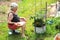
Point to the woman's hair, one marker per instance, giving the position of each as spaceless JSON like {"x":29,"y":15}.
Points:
{"x":13,"y":5}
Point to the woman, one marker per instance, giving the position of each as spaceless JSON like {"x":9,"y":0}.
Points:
{"x":14,"y":21}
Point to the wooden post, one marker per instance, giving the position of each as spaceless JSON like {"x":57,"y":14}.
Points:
{"x":35,"y":14}
{"x":46,"y":11}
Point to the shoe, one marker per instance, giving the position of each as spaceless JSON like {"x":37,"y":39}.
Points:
{"x":10,"y":33}
{"x":16,"y":32}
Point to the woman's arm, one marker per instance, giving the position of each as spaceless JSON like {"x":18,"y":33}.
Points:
{"x":10,"y":17}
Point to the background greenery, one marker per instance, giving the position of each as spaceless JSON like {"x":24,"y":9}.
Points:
{"x":26,"y":9}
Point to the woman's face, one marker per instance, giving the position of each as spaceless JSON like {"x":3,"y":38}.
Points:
{"x":15,"y":9}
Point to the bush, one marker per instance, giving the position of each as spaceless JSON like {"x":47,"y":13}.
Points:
{"x":38,"y":22}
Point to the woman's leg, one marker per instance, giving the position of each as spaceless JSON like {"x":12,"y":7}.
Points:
{"x":22,"y":25}
{"x":23,"y":29}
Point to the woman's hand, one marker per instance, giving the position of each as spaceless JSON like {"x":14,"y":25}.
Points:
{"x":15,"y":23}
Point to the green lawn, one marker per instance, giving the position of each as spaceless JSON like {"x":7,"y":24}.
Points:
{"x":26,"y":9}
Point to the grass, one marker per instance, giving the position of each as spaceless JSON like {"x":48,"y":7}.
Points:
{"x":26,"y":8}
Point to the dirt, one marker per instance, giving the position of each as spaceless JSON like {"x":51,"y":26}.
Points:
{"x":8,"y":2}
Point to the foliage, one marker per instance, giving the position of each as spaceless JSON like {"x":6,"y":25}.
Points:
{"x":3,"y":9}
{"x":38,"y":20}
{"x":26,"y":8}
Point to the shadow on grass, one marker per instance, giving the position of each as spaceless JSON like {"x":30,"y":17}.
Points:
{"x":15,"y":37}
{"x":41,"y":36}
{"x":32,"y":37}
